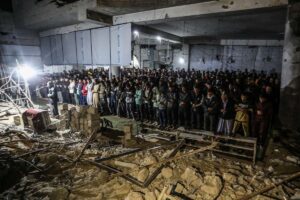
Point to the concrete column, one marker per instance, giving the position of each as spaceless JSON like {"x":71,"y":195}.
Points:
{"x":289,"y":112}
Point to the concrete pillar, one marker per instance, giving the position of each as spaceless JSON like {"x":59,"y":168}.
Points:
{"x":289,"y":112}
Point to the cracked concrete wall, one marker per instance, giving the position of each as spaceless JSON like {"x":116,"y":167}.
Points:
{"x":290,"y":78}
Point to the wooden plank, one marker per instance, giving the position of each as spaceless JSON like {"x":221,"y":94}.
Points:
{"x":231,"y":153}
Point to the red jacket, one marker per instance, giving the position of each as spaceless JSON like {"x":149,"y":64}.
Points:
{"x":84,"y":90}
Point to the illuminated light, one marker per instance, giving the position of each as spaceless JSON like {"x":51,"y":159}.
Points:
{"x":27,"y":72}
{"x":158,"y":38}
{"x":181,"y":60}
{"x":136,"y":33}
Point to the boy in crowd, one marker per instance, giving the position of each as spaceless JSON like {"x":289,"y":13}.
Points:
{"x":243,"y":115}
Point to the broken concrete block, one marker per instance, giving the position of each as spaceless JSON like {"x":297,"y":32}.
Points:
{"x":189,"y":175}
{"x":150,"y":196}
{"x":134,"y":196}
{"x":93,"y":117}
{"x":92,"y":110}
{"x":143,"y":174}
{"x":63,"y":106}
{"x":212,"y":185}
{"x":127,"y":129}
{"x":293,"y":159}
{"x":296,"y":196}
{"x":167,"y":172}
{"x":230,"y":178}
{"x":125,"y":164}
{"x":149,"y":160}
{"x":180,"y":188}
{"x":81,"y":109}
{"x":59,"y":193}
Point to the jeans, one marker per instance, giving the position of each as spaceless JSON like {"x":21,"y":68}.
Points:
{"x":147,"y":111}
{"x":196,"y":118}
{"x":210,"y":122}
{"x":172,"y":116}
{"x":83,"y":100}
{"x":139,"y":110}
{"x":77,"y":99}
{"x":129,"y":110}
{"x":162,"y":115}
{"x":183,"y":117}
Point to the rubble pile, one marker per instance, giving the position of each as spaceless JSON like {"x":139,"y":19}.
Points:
{"x":79,"y":118}
{"x":71,"y":165}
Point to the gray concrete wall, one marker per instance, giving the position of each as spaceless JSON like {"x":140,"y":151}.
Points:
{"x":236,"y":57}
{"x":181,"y":57}
{"x":290,"y":77}
{"x":18,"y":43}
{"x":47,"y":14}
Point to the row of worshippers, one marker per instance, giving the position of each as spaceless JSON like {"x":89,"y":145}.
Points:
{"x":222,"y":102}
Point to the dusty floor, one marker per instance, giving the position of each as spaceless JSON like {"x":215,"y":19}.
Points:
{"x":53,"y":169}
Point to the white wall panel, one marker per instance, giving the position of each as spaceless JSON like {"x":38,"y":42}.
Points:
{"x":69,"y":48}
{"x":100,"y":46}
{"x":83,"y":43}
{"x":56,"y":49}
{"x":121,"y":44}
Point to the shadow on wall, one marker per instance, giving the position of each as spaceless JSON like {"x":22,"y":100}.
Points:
{"x":290,"y":101}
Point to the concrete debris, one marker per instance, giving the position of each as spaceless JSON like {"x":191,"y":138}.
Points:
{"x":149,"y":160}
{"x":150,"y":195}
{"x":230,"y":178}
{"x":212,"y":186}
{"x":135,"y":196}
{"x":59,"y":193}
{"x":143,"y":174}
{"x":167,"y":172}
{"x":190,"y":175}
{"x":293,"y":159}
{"x":124,"y":164}
{"x":49,"y":172}
{"x":296,"y":196}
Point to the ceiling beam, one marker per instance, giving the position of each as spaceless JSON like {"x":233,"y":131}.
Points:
{"x":197,"y":9}
{"x":154,"y":32}
{"x":99,"y":17}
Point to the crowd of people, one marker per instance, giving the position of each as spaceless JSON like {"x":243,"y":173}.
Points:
{"x":224,"y":102}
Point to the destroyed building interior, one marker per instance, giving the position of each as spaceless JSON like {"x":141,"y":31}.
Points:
{"x":150,"y":99}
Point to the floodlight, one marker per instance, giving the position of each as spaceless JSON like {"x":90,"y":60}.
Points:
{"x":27,"y":72}
{"x":181,"y":60}
{"x":136,"y":33}
{"x":158,"y":38}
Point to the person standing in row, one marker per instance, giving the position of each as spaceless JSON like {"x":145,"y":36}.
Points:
{"x":84,"y":93}
{"x":71,"y":88}
{"x":53,"y":99}
{"x":226,"y":117}
{"x":89,"y":97}
{"x":95,"y":90}
{"x":210,"y":106}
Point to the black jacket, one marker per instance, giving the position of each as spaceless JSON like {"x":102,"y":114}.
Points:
{"x":229,"y":111}
{"x":213,"y":103}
